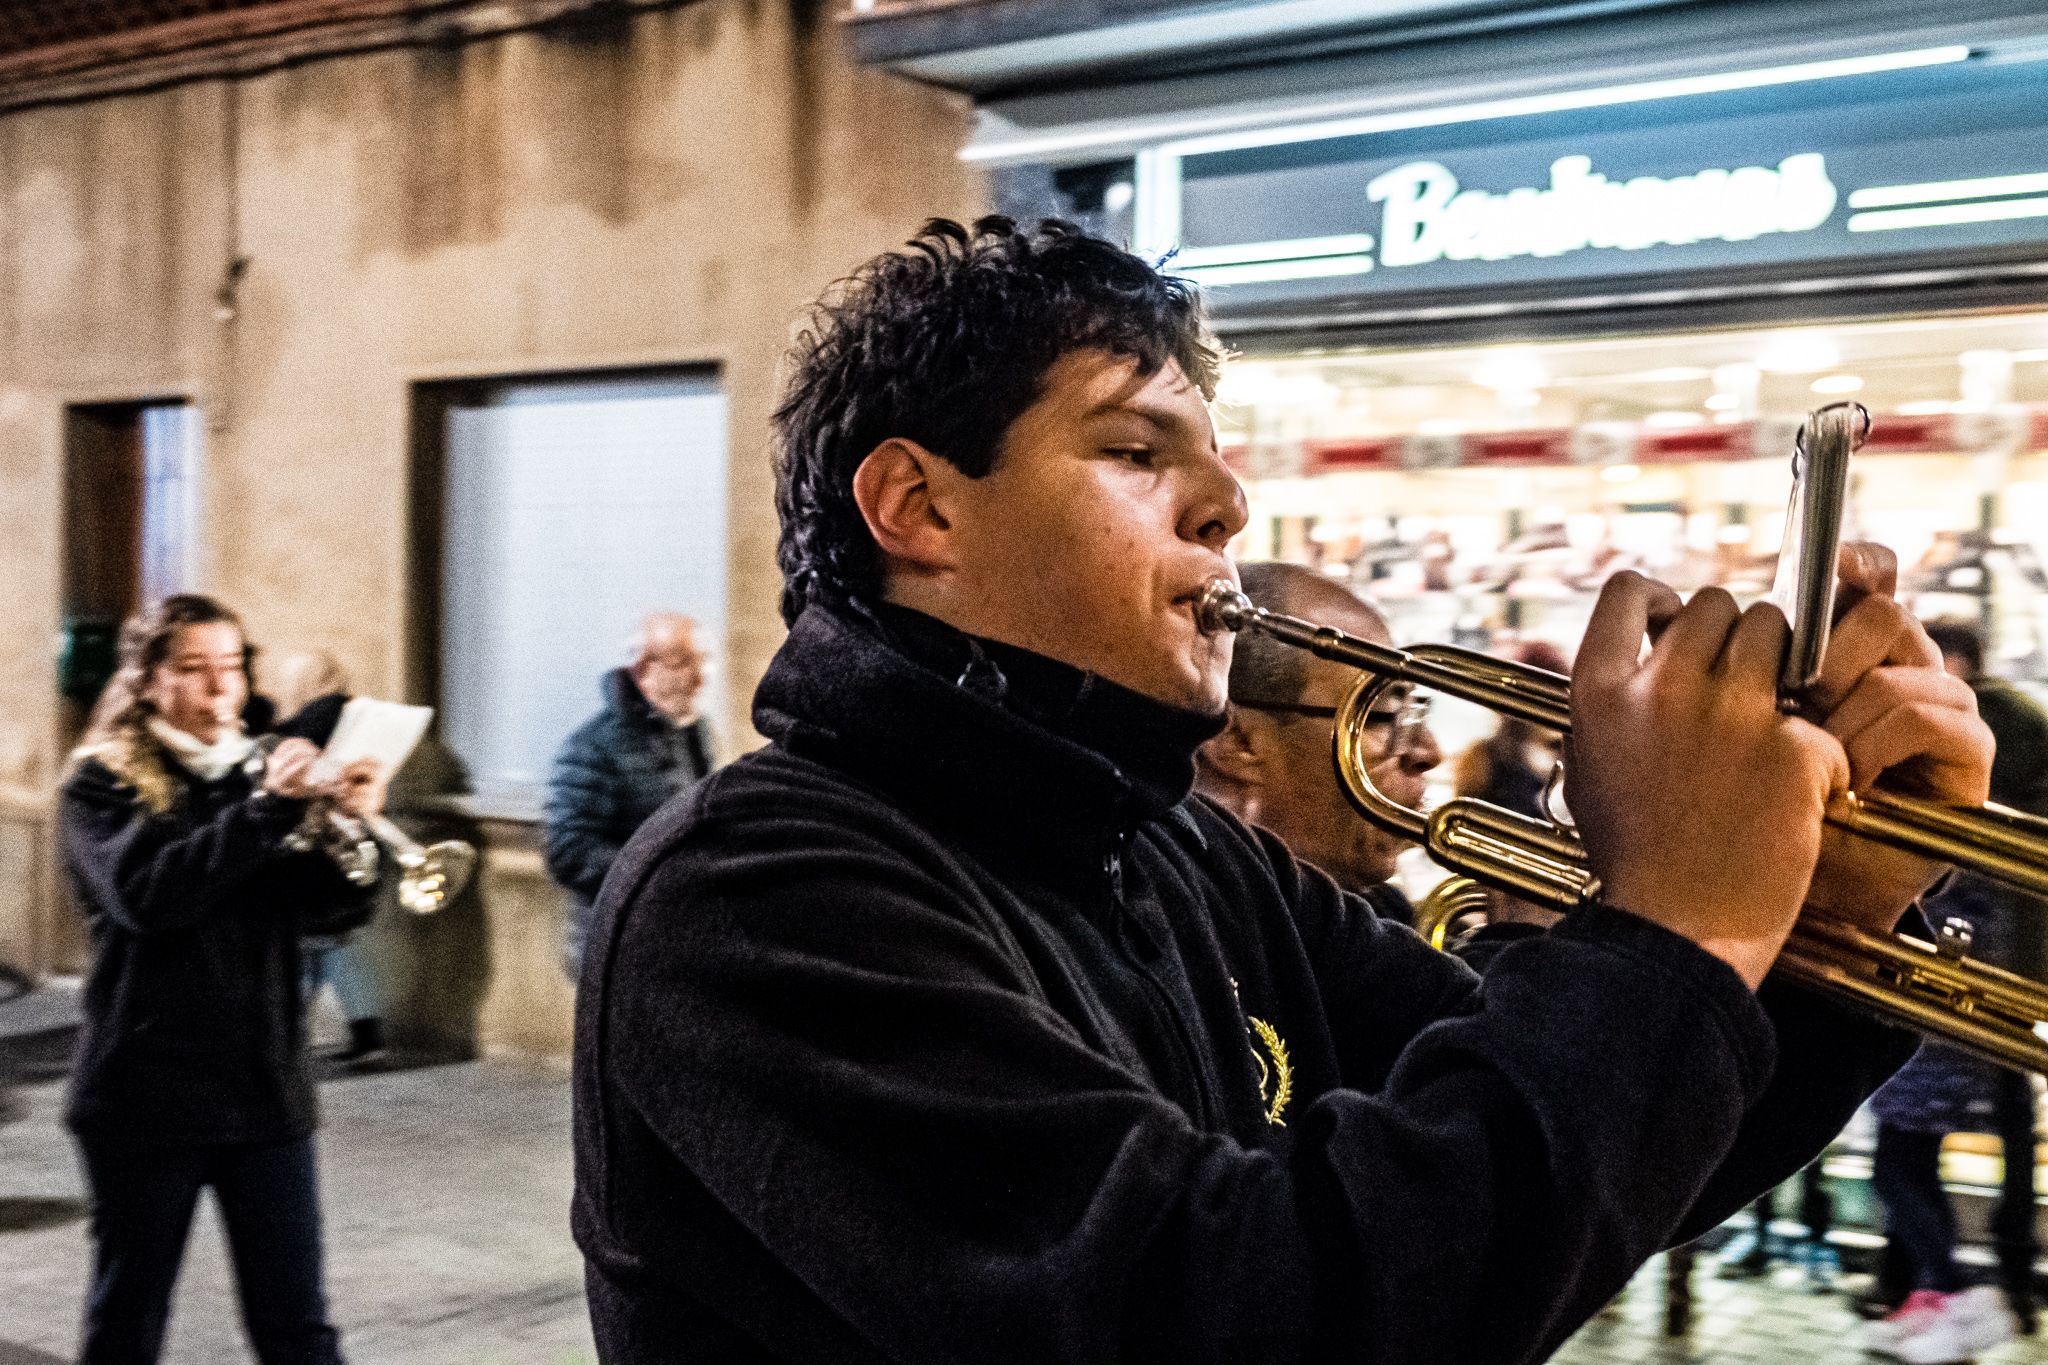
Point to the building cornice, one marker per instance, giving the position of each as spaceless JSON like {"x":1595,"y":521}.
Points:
{"x":249,"y":41}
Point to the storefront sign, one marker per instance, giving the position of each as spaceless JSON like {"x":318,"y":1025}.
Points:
{"x":1946,"y":160}
{"x":1428,"y":217}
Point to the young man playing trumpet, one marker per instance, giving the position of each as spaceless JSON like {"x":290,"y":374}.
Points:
{"x":949,"y":1027}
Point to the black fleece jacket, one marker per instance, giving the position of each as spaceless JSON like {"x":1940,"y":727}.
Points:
{"x":193,"y":1026}
{"x":949,"y":1028}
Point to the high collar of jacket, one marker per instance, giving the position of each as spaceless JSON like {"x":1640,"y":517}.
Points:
{"x":623,"y":698}
{"x":982,"y":738}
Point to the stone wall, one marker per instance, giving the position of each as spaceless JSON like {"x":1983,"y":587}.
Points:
{"x":657,"y":187}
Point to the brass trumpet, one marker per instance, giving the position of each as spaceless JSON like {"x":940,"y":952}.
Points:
{"x":429,"y":876}
{"x":1931,"y":988}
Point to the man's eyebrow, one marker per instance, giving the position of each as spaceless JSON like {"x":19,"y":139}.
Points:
{"x":1160,"y":416}
{"x":1157,"y":415}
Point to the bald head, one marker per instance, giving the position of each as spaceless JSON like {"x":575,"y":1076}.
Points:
{"x":1272,"y":765}
{"x":663,"y":630}
{"x":1262,"y":668}
{"x":668,"y":665}
{"x":303,"y":675}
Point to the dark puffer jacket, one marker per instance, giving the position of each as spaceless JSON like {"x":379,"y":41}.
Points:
{"x":193,"y":1019}
{"x":612,"y":773}
{"x":950,"y":1028}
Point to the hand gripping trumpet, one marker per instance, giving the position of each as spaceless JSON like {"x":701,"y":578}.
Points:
{"x":429,"y":876}
{"x":1931,"y":988}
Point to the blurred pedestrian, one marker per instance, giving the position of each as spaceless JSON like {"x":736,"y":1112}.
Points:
{"x":2013,"y":935}
{"x":648,"y":743}
{"x":308,"y":688}
{"x":1942,"y":1091}
{"x":191,"y":1069}
{"x":1512,"y":768}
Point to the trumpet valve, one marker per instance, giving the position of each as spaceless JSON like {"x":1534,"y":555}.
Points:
{"x":1954,"y":937}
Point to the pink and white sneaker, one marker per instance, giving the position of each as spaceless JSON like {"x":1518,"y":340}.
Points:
{"x":1935,"y":1329}
{"x":1882,"y":1337}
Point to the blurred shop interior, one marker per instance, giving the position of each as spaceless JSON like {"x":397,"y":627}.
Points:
{"x":1482,"y":494}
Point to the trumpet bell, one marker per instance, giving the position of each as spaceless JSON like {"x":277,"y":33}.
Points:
{"x":1451,"y":909}
{"x":435,"y":875}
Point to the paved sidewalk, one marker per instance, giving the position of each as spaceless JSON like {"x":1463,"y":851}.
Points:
{"x":447,"y":1191}
{"x":1774,"y":1321}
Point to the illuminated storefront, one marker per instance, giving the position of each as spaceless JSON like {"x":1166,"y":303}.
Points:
{"x":1485,"y":491}
{"x":1494,"y":353}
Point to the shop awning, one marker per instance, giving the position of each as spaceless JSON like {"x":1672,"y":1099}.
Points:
{"x":1117,"y":115}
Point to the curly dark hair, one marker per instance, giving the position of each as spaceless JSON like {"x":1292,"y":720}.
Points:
{"x":946,"y":343}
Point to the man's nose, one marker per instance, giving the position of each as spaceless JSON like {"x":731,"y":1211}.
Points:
{"x":1216,"y":509}
{"x":1423,"y":753}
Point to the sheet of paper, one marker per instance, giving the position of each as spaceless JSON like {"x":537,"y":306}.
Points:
{"x":383,"y":730}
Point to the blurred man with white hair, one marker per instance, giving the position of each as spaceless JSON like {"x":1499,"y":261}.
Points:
{"x":647,"y":744}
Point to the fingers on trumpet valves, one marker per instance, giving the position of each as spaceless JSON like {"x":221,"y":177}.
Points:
{"x":1692,"y":644}
{"x":1876,"y":632}
{"x":1755,"y":647}
{"x":1631,"y":607}
{"x":1864,"y":566}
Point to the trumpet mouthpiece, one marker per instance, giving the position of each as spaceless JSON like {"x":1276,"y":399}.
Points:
{"x":1221,"y":607}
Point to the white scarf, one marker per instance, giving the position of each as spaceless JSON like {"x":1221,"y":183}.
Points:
{"x":207,"y":762}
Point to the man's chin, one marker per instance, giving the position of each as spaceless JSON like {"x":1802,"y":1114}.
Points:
{"x":1186,"y":688}
{"x":1203,"y":696}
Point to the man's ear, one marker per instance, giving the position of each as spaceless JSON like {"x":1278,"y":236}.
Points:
{"x":897,"y":489}
{"x":1239,"y":752}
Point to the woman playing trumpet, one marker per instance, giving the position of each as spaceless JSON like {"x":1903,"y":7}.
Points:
{"x":191,"y":1068}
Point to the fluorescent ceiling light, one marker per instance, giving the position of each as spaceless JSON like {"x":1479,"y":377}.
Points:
{"x":1266,"y":272}
{"x":1191,"y":135}
{"x":1247,"y":253}
{"x":1838,"y":383}
{"x":1949,"y":215}
{"x":1510,"y":371}
{"x":1799,"y":353}
{"x":1941,"y":191}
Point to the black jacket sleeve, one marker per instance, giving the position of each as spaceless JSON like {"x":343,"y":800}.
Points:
{"x":1827,"y":1058}
{"x":847,"y":1057}
{"x":578,"y":840}
{"x":150,"y":874}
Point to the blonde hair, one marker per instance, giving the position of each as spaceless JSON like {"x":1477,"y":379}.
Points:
{"x":117,"y":733}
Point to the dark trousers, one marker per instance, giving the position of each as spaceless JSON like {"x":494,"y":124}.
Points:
{"x":143,"y":1197}
{"x":2012,"y":1223}
{"x":2012,"y":1226}
{"x":1918,"y":1220}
